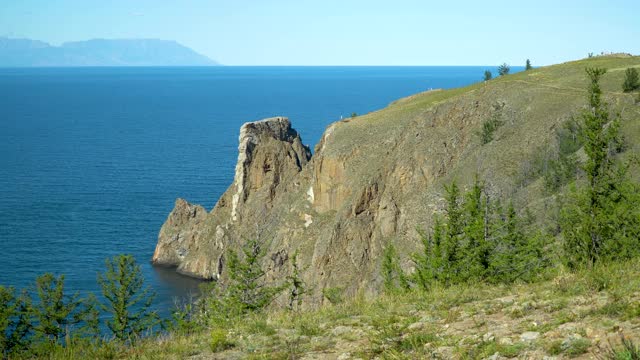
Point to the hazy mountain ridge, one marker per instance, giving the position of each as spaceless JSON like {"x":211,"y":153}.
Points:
{"x":99,"y":52}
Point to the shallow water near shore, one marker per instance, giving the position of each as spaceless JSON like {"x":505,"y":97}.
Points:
{"x":92,"y":159}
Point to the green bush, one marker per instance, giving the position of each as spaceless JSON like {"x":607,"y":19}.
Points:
{"x":489,"y":128}
{"x":626,"y":351}
{"x":219,"y":341}
{"x":333,"y":295}
{"x":576,"y":347}
{"x":631,"y":80}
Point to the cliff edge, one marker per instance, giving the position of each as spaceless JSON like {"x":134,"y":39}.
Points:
{"x":377,"y":178}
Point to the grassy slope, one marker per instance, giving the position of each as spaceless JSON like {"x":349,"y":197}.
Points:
{"x":568,"y":315}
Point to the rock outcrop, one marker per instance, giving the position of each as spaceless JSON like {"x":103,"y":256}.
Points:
{"x":270,"y":153}
{"x":373,"y":180}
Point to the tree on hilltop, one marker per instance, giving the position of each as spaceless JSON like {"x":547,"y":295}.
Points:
{"x":528,"y":66}
{"x":487,"y":75}
{"x":503,"y":69}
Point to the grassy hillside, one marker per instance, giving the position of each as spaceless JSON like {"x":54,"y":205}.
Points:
{"x":568,"y":315}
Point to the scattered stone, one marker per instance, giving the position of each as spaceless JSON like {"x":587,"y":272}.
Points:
{"x":488,"y":337}
{"x":340,"y":330}
{"x":530,"y":336}
{"x":344,"y":356}
{"x":416,"y":326}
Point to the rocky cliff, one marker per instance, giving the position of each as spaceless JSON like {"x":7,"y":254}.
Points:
{"x":375,"y":179}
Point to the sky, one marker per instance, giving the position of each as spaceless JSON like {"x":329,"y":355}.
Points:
{"x":344,"y":32}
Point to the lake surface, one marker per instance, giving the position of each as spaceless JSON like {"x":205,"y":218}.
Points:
{"x":92,"y":159}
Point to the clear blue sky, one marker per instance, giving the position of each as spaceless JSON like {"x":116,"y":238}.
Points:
{"x":344,"y":32}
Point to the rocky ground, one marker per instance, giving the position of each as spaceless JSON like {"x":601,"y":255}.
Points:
{"x":567,"y":315}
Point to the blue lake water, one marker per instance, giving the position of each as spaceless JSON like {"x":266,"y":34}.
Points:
{"x":92,"y":159}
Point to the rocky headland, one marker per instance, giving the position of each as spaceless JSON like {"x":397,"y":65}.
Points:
{"x":376,"y":179}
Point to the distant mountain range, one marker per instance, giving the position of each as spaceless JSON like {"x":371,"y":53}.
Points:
{"x":99,"y":52}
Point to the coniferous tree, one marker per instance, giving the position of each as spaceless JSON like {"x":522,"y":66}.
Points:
{"x":476,"y":232}
{"x":393,"y":276}
{"x":503,"y":69}
{"x":476,"y":240}
{"x":600,"y":219}
{"x":15,"y":323}
{"x":298,"y":286}
{"x":244,"y":289}
{"x":54,"y":312}
{"x":429,"y":264}
{"x":128,"y":301}
{"x":527,"y":65}
{"x":487,"y":75}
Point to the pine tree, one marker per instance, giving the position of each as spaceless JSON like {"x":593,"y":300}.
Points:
{"x":600,"y":219}
{"x":297,"y":284}
{"x":527,"y":65}
{"x":243,"y":290}
{"x":503,"y":69}
{"x":476,"y":233}
{"x":451,"y":247}
{"x":475,"y":241}
{"x":55,"y":312}
{"x":15,"y":324}
{"x":487,"y":75}
{"x":430,"y":264}
{"x":394,"y":277}
{"x":128,"y":301}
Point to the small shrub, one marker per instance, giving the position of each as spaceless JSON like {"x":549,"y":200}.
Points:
{"x":626,"y":351}
{"x":631,"y":80}
{"x":219,"y":341}
{"x":487,"y":75}
{"x":554,"y":347}
{"x":489,"y":128}
{"x":308,"y":328}
{"x":575,"y":347}
{"x":333,"y":294}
